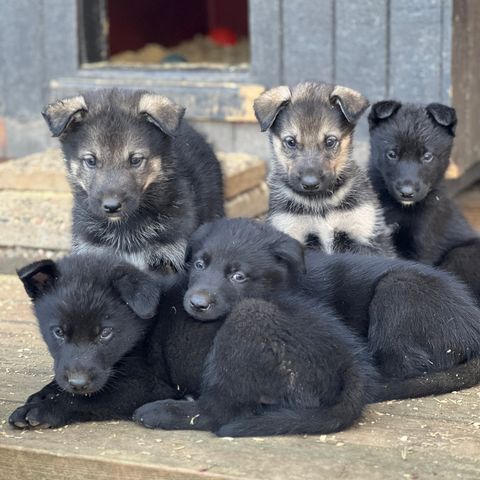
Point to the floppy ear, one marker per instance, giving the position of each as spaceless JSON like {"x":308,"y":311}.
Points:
{"x":138,"y":289}
{"x":63,"y":113}
{"x":290,"y":251}
{"x":197,"y":239}
{"x":38,"y":277}
{"x":351,"y":103}
{"x":381,"y":111}
{"x":443,"y":115}
{"x":269,"y":104}
{"x":162,"y":112}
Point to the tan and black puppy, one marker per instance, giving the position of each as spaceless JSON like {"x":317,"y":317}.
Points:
{"x":143,"y":180}
{"x":318,"y":194}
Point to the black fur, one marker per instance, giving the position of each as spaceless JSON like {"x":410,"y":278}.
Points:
{"x":427,"y":225}
{"x":281,"y":363}
{"x":176,"y":186}
{"x":417,"y":323}
{"x":112,"y":354}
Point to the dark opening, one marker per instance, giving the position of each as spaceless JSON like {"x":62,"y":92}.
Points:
{"x":164,"y":32}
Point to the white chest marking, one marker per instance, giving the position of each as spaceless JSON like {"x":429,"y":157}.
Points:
{"x":358,"y":223}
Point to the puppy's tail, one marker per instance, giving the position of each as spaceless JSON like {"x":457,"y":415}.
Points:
{"x":306,"y":420}
{"x":461,"y":376}
{"x":289,"y":422}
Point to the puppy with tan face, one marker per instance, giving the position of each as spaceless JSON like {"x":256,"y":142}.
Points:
{"x":318,"y":194}
{"x":143,"y":180}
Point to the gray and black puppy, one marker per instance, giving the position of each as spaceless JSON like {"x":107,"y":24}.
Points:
{"x":318,"y":193}
{"x":143,"y":180}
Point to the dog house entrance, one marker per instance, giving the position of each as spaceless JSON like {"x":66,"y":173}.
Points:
{"x":164,"y":33}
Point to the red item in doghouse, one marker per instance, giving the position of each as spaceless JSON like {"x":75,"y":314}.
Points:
{"x":223,"y":36}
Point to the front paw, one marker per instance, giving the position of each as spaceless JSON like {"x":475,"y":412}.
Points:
{"x":42,"y":414}
{"x":168,"y":415}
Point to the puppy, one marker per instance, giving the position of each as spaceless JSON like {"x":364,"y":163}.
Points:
{"x":280,"y":374}
{"x":410,"y":152}
{"x":111,"y":352}
{"x":281,"y":363}
{"x":142,"y":178}
{"x":318,"y":194}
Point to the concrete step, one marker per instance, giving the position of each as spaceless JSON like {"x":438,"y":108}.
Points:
{"x":35,"y":203}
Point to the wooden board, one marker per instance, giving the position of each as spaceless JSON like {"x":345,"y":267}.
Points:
{"x":412,"y":439}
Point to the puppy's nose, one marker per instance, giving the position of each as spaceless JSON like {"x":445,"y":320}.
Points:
{"x":111,"y":205}
{"x":201,"y":301}
{"x":78,"y":380}
{"x":406,"y":191}
{"x":310,"y":182}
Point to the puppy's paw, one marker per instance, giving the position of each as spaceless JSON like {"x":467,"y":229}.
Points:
{"x":44,"y":414}
{"x":168,"y":415}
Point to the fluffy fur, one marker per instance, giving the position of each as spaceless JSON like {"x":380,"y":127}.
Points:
{"x":282,"y":363}
{"x":410,"y":152}
{"x":142,"y":178}
{"x":318,"y":194}
{"x":111,"y":352}
{"x":424,"y":339}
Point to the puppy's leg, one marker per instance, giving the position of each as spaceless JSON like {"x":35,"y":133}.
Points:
{"x":421,"y":321}
{"x":53,"y":407}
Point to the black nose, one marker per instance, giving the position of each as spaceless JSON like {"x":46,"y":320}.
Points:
{"x":200,"y":301}
{"x":78,"y":380}
{"x":111,"y":205}
{"x":406,"y":191}
{"x":310,"y":182}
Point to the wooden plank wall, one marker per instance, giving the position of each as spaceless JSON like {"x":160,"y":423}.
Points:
{"x":385,"y":48}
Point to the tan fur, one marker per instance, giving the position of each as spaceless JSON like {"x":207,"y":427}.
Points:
{"x":69,"y":105}
{"x":164,"y":111}
{"x":155,"y":167}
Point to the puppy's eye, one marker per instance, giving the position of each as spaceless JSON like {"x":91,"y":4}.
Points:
{"x":199,"y":265}
{"x":331,"y":142}
{"x":290,"y":142}
{"x":427,"y":157}
{"x":392,"y":155}
{"x":89,"y":161}
{"x":238,"y":277}
{"x":58,"y":333}
{"x":136,"y":159}
{"x":106,"y":333}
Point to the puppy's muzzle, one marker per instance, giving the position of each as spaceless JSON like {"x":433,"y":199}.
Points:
{"x":111,"y":205}
{"x":201,"y":301}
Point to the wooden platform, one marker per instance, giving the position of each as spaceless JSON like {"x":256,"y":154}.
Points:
{"x":416,"y":439}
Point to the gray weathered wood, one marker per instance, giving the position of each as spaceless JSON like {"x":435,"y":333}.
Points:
{"x":265,"y":41}
{"x":415,"y":50}
{"x":360,"y":46}
{"x":308,"y":40}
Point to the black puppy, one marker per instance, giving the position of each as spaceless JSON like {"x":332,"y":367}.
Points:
{"x":318,"y":193}
{"x":420,"y":326}
{"x":410,"y":152}
{"x":111,"y":353}
{"x":143,"y":180}
{"x":282,"y":363}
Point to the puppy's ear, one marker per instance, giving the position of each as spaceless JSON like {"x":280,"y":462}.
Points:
{"x":443,"y":115}
{"x":351,"y":103}
{"x":197,"y":239}
{"x":291,"y":252}
{"x":162,"y":112}
{"x":38,"y":277}
{"x":381,"y":111}
{"x":61,"y":114}
{"x":138,"y":289}
{"x":269,"y":104}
